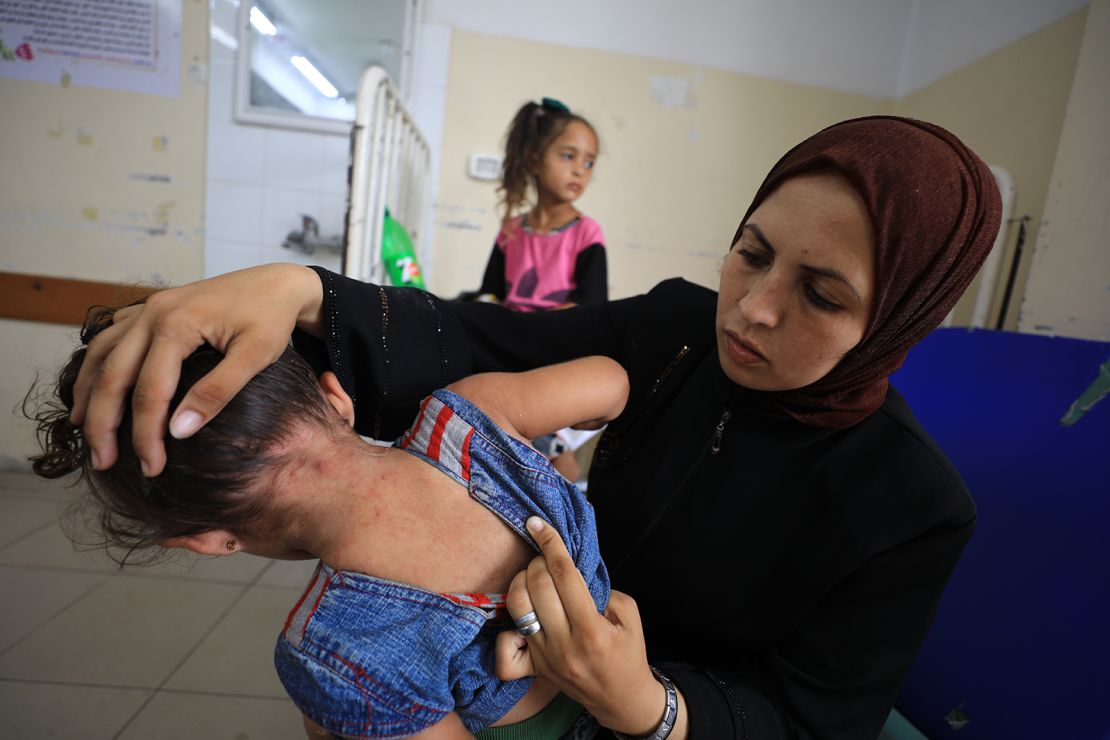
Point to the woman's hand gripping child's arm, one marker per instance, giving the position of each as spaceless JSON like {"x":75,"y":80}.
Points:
{"x":599,"y":660}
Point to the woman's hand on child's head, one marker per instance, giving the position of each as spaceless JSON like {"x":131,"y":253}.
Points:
{"x":248,"y":315}
{"x":598,"y":660}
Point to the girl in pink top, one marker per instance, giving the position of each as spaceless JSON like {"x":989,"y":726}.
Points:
{"x":551,"y":256}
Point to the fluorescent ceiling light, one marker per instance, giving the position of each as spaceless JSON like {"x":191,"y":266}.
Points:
{"x":318,"y":80}
{"x":225,"y":38}
{"x":261,"y":23}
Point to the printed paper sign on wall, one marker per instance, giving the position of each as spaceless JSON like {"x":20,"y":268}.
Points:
{"x":131,"y":45}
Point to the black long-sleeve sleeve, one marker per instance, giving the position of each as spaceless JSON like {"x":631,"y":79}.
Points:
{"x":591,"y":276}
{"x":493,"y":279}
{"x":391,"y":346}
{"x":785,"y":581}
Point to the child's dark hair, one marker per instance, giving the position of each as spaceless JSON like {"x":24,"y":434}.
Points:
{"x":209,"y":478}
{"x":533,"y":129}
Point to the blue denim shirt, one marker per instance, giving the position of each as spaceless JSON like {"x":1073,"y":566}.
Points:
{"x":366,"y":657}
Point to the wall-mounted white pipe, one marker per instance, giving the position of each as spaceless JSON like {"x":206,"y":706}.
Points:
{"x":992,"y":267}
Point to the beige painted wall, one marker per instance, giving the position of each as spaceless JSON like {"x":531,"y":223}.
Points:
{"x":1069,"y":284}
{"x":1009,"y":107}
{"x":671,"y":183}
{"x":85,"y":195}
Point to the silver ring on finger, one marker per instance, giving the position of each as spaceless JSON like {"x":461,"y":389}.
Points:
{"x":529,"y":629}
{"x":528,"y":624}
{"x":525,"y":619}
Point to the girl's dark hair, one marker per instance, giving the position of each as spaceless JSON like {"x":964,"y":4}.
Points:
{"x":210,"y":479}
{"x":533,"y":129}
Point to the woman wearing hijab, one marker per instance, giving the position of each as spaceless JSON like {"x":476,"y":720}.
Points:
{"x":783,"y":523}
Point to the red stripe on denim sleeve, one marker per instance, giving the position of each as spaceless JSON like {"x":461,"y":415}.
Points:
{"x":464,"y":460}
{"x":297,"y":622}
{"x":445,"y":415}
{"x":411,"y":433}
{"x":297,"y":606}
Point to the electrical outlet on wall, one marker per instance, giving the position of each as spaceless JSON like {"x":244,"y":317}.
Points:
{"x":484,"y":166}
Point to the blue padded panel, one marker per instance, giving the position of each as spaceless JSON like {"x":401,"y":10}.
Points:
{"x":1021,"y":642}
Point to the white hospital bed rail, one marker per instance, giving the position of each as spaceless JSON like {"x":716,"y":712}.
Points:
{"x":389,"y":165}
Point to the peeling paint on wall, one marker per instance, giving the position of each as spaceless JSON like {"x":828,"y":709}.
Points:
{"x":165,"y":179}
{"x":162,"y":214}
{"x":1095,"y":392}
{"x":96,"y":219}
{"x":197,"y":74}
{"x":461,"y":225}
{"x":453,"y":208}
{"x":673,"y":92}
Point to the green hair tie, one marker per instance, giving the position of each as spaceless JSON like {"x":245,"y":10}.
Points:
{"x":553,"y":104}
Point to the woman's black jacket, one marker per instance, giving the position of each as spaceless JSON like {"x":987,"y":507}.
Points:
{"x":785,"y":575}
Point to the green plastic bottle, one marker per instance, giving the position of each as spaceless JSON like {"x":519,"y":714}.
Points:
{"x":398,"y":255}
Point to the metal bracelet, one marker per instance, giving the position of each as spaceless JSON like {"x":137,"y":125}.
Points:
{"x":670,"y":713}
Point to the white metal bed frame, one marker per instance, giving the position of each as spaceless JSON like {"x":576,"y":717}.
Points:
{"x":389,"y":165}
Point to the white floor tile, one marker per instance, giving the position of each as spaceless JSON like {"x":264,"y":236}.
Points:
{"x":240,"y":568}
{"x":293,"y":574}
{"x":30,"y":710}
{"x":126,"y":632}
{"x":23,"y":482}
{"x":21,"y":515}
{"x":237,"y":657}
{"x":50,"y":547}
{"x":33,"y":596}
{"x":181,"y":716}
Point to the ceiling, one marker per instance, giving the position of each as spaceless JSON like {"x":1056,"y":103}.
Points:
{"x":880,"y":48}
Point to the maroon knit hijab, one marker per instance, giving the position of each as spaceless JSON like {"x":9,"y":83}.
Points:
{"x":935,"y":209}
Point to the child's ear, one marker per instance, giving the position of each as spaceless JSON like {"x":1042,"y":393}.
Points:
{"x":214,"y":542}
{"x":337,"y":397}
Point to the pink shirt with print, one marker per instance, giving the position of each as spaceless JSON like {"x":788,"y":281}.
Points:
{"x":540,"y":267}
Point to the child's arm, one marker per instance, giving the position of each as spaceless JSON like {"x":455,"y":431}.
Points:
{"x":587,"y":392}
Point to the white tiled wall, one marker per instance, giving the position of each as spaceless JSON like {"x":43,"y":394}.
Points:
{"x":262,"y":180}
{"x":429,"y":103}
